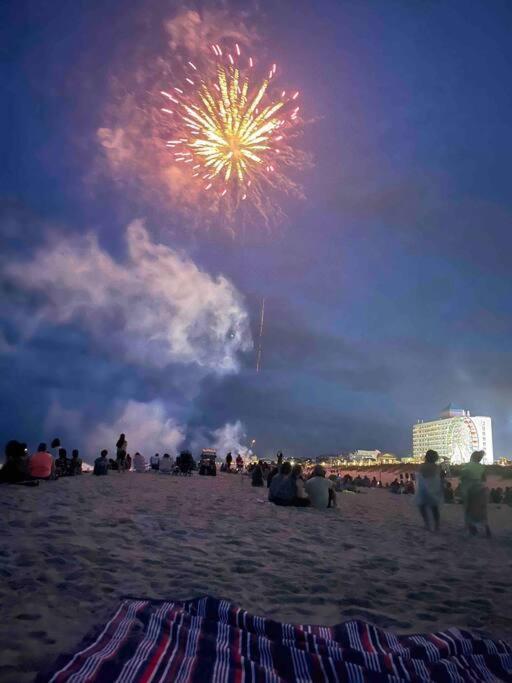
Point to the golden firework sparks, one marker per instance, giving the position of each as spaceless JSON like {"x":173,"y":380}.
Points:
{"x":231,"y":129}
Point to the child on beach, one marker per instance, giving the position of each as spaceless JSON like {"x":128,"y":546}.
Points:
{"x":430,"y":489}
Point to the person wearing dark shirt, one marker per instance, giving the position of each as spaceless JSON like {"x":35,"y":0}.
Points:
{"x":257,"y":475}
{"x":15,"y":467}
{"x":62,"y":463}
{"x":271,"y":475}
{"x":101,"y":464}
{"x":283,"y":488}
{"x":75,"y":465}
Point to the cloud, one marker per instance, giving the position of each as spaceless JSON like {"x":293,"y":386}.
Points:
{"x":147,"y":426}
{"x":195,"y":32}
{"x":154,"y":309}
{"x":230,"y":437}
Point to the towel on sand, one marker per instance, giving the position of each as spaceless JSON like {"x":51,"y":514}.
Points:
{"x":205,"y":639}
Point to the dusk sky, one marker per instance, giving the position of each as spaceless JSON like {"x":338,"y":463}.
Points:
{"x":387,"y":288}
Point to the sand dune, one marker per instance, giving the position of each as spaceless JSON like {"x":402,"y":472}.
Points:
{"x":71,"y":548}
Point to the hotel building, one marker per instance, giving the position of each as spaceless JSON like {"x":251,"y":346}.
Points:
{"x":455,"y":435}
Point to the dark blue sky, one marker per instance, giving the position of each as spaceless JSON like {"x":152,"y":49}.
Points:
{"x":388,"y":290}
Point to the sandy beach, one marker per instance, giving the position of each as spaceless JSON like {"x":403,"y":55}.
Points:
{"x":71,"y":548}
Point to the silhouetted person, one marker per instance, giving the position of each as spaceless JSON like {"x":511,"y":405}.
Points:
{"x":282,"y":487}
{"x":474,"y":494}
{"x":75,"y":464}
{"x":101,"y":464}
{"x":429,"y":489}
{"x":229,"y":460}
{"x":121,"y":447}
{"x":279,"y":459}
{"x":448,"y":492}
{"x":62,"y":463}
{"x":257,"y":475}
{"x":301,"y":497}
{"x":15,"y":468}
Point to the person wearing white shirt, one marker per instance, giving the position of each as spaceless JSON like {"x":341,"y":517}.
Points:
{"x":155,"y":461}
{"x":320,"y":490}
{"x":165,"y":465}
{"x":139,"y":463}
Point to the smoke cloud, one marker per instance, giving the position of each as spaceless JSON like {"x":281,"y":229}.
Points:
{"x":154,"y":309}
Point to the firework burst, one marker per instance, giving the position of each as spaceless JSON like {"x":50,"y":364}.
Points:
{"x":233,"y":131}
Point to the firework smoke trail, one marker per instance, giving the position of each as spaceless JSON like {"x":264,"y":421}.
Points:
{"x":260,"y":336}
{"x":233,"y":132}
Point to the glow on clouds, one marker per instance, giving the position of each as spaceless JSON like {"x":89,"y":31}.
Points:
{"x":147,"y":427}
{"x":156,"y":308}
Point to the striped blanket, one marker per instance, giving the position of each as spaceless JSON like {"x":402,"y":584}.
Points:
{"x":203,"y":640}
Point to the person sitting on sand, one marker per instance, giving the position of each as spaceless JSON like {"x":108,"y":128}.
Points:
{"x":271,"y":475}
{"x":75,"y":465}
{"x":165,"y":464}
{"x":15,"y":468}
{"x":121,"y":448}
{"x":101,"y":464}
{"x":282,"y":489}
{"x":474,"y":494}
{"x":41,"y":465}
{"x":430,"y":489}
{"x":55,"y":446}
{"x":62,"y":463}
{"x":507,"y":496}
{"x":320,"y":490}
{"x":257,"y":475}
{"x":394,"y":487}
{"x":448,"y":491}
{"x":155,"y":461}
{"x":301,"y":497}
{"x":494,"y":496}
{"x":139,"y":463}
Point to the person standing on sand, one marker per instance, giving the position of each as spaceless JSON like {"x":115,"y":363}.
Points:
{"x":121,"y":447}
{"x":474,"y":494}
{"x":155,"y":461}
{"x":429,"y":495}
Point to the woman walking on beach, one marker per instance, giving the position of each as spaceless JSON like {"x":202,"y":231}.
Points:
{"x":474,"y":494}
{"x":429,"y":490}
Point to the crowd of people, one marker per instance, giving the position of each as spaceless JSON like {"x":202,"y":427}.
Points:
{"x":432,"y":490}
{"x":288,"y":485}
{"x":22,"y":468}
{"x":183,"y":464}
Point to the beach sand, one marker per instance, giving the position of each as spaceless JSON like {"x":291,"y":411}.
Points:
{"x":70,"y":549}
